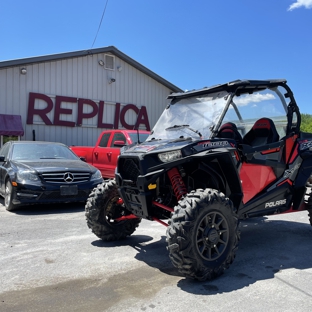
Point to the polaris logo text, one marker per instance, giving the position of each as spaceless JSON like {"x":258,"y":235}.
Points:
{"x":276,"y":203}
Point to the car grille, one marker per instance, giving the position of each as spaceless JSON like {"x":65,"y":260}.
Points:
{"x":68,"y":177}
{"x":129,"y":169}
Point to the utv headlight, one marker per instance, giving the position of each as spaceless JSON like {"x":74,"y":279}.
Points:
{"x":23,"y":176}
{"x":170,"y":156}
{"x":96,"y":175}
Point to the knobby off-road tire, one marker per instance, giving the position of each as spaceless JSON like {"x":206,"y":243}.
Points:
{"x":102,"y":208}
{"x":203,"y":234}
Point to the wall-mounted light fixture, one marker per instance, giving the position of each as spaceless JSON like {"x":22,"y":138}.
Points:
{"x":111,"y":80}
{"x":119,"y":68}
{"x":101,"y":63}
{"x":23,"y":71}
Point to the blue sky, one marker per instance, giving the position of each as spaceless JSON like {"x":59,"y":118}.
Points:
{"x":192,"y":44}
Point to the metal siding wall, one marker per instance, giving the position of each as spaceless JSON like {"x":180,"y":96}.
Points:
{"x":84,"y":78}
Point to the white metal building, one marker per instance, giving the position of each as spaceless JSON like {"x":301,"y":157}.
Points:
{"x":72,"y":97}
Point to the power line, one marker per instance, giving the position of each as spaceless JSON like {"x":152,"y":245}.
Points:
{"x":100,"y":24}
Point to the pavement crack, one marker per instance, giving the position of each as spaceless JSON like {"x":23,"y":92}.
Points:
{"x":292,"y":286}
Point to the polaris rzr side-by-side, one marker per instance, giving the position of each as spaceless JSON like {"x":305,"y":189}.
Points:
{"x":215,"y":156}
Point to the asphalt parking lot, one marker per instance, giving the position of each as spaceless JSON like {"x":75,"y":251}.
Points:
{"x":50,"y":261}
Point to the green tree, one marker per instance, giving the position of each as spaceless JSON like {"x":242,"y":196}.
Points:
{"x":306,"y":123}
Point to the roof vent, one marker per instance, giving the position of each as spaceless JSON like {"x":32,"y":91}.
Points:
{"x":109,"y":62}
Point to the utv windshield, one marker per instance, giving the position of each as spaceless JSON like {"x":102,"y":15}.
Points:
{"x":193,"y":117}
{"x":201,"y":116}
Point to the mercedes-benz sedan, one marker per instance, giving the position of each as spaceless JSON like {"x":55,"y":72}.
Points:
{"x":33,"y":172}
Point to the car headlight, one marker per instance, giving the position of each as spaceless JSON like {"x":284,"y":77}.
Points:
{"x":26,"y":176}
{"x":96,"y":175}
{"x":170,"y":156}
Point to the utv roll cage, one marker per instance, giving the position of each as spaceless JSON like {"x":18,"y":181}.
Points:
{"x":239,"y":87}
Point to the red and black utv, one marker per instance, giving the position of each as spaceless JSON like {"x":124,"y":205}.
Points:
{"x":216,"y":155}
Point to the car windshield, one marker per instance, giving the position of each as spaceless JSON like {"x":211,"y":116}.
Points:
{"x":32,"y":151}
{"x":201,"y":116}
{"x":193,"y":117}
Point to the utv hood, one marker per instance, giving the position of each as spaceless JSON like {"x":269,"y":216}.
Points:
{"x":158,"y":145}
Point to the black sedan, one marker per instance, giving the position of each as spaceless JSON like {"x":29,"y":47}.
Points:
{"x":34,"y":172}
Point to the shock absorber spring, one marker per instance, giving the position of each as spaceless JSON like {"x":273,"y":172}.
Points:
{"x":177,"y":183}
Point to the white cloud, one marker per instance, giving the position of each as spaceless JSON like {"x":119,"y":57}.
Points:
{"x":301,"y":3}
{"x":253,"y":98}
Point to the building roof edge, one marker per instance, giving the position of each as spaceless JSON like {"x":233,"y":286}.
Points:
{"x":109,"y":49}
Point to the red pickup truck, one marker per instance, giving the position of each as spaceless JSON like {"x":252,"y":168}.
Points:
{"x":107,"y":149}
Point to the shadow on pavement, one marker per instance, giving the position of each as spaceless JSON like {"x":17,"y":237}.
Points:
{"x":267,"y":247}
{"x":153,"y":254}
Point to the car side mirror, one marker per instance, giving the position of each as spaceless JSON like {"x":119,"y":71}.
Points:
{"x":119,"y":143}
{"x":2,"y":158}
{"x":83,"y":159}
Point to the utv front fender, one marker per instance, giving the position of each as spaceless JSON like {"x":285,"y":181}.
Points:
{"x":220,"y":164}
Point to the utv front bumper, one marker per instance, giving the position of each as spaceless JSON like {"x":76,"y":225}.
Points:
{"x":136,"y":190}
